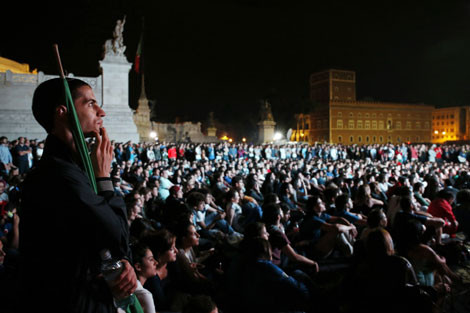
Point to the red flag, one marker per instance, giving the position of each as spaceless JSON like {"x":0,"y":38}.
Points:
{"x":138,"y":54}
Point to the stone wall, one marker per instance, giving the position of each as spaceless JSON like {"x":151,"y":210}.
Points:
{"x":181,"y":132}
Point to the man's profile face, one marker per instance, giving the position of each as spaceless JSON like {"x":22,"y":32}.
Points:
{"x":89,"y":112}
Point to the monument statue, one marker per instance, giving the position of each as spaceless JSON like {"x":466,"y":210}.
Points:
{"x":265,"y":111}
{"x":115,"y":46}
{"x":211,"y":120}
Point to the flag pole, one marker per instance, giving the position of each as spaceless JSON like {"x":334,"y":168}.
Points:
{"x":76,"y":129}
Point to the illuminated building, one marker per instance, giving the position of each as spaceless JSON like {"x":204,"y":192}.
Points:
{"x":337,"y":117}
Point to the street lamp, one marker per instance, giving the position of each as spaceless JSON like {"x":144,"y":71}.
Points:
{"x":277,"y":136}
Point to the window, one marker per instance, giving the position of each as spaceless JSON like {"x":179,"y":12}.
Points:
{"x":374,"y":115}
{"x":351,"y":124}
{"x":452,"y":116}
{"x":408,"y":125}
{"x":367,"y":115}
{"x":351,"y":139}
{"x":381,"y":139}
{"x":359,"y":115}
{"x":381,"y":124}
{"x":325,"y":123}
{"x":389,"y":138}
{"x":367,"y":125}
{"x":374,"y":139}
{"x":418,"y":125}
{"x":306,"y":125}
{"x":359,"y":124}
{"x":374,"y":124}
{"x":367,"y":139}
{"x":340,"y":114}
{"x":426,"y":125}
{"x":381,"y":115}
{"x":339,"y":124}
{"x":340,"y":139}
{"x":351,"y":114}
{"x":318,"y":124}
{"x":359,"y":139}
{"x":398,"y":124}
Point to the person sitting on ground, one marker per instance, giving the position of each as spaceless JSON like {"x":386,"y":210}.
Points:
{"x":441,"y":207}
{"x":162,"y":243}
{"x":324,"y":232}
{"x":430,"y":268}
{"x":418,"y":191}
{"x":145,"y":267}
{"x":280,"y":244}
{"x":386,"y":278}
{"x":343,"y":205}
{"x":363,"y":201}
{"x":407,"y":213}
{"x":189,"y":279}
{"x":262,"y":286}
{"x":462,"y":212}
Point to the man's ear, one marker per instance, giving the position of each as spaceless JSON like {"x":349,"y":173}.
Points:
{"x":61,"y":110}
{"x":138,"y":267}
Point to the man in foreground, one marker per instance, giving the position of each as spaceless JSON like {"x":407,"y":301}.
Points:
{"x":64,"y":223}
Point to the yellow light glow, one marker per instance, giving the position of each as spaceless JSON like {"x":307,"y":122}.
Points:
{"x":224,"y":138}
{"x":244,"y":139}
{"x":436,"y":132}
{"x":301,"y":135}
{"x":443,"y":133}
{"x":230,"y":140}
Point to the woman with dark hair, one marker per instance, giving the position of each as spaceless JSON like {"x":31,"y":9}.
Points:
{"x":253,"y":188}
{"x":430,"y":268}
{"x":364,"y":202}
{"x":145,"y":267}
{"x":268,"y":184}
{"x":188,"y":278}
{"x":162,"y":245}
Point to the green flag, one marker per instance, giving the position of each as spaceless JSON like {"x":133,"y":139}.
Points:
{"x":78,"y":137}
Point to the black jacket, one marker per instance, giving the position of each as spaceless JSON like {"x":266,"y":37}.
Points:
{"x":64,"y":225}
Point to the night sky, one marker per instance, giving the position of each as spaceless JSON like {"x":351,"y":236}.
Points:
{"x":225,"y":56}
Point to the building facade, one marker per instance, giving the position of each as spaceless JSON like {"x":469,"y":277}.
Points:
{"x":337,"y":117}
{"x":451,"y":124}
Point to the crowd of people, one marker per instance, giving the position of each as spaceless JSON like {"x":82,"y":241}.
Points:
{"x":276,"y":228}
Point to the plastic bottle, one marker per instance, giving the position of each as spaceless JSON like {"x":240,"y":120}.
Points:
{"x":111,"y":269}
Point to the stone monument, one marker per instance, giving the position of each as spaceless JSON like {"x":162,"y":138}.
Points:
{"x":266,"y":124}
{"x":115,"y":73}
{"x":142,"y":116}
{"x":211,"y":129}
